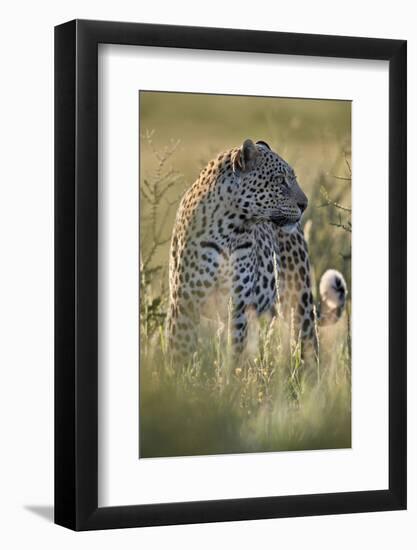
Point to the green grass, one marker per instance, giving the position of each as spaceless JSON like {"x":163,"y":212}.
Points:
{"x":270,"y":401}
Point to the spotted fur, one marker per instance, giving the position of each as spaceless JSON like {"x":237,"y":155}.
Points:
{"x":237,"y":244}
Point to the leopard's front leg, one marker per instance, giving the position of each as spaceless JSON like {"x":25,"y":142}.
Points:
{"x":294,"y":290}
{"x":243,"y":274}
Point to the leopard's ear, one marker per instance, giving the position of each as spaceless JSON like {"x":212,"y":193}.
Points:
{"x":264,"y":143}
{"x":244,"y":156}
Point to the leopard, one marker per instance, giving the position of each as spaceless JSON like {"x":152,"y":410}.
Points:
{"x":238,"y":250}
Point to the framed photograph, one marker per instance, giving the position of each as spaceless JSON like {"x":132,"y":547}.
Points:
{"x":230,"y":254}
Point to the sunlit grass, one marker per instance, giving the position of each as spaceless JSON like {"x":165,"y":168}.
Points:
{"x":268,"y":402}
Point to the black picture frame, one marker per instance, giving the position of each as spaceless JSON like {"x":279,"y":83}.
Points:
{"x":76,"y":272}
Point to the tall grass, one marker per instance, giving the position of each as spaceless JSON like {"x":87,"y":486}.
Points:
{"x":269,"y":401}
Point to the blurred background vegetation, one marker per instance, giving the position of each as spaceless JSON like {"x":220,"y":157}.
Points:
{"x":267,"y":404}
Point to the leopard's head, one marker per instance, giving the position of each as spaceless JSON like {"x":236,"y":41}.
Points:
{"x":267,"y":188}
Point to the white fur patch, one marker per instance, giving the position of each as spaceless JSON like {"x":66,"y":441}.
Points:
{"x":330,"y":283}
{"x":290,"y":228}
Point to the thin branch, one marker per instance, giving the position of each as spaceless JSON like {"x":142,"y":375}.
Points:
{"x":340,"y":177}
{"x":330,"y":202}
{"x":346,"y":227}
{"x":342,"y":226}
{"x":348,"y":164}
{"x":155,"y":190}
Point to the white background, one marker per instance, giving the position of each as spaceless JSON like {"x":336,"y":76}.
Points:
{"x":26,"y":299}
{"x":123,"y":479}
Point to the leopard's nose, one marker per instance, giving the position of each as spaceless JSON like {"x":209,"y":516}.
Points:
{"x":302,"y":205}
